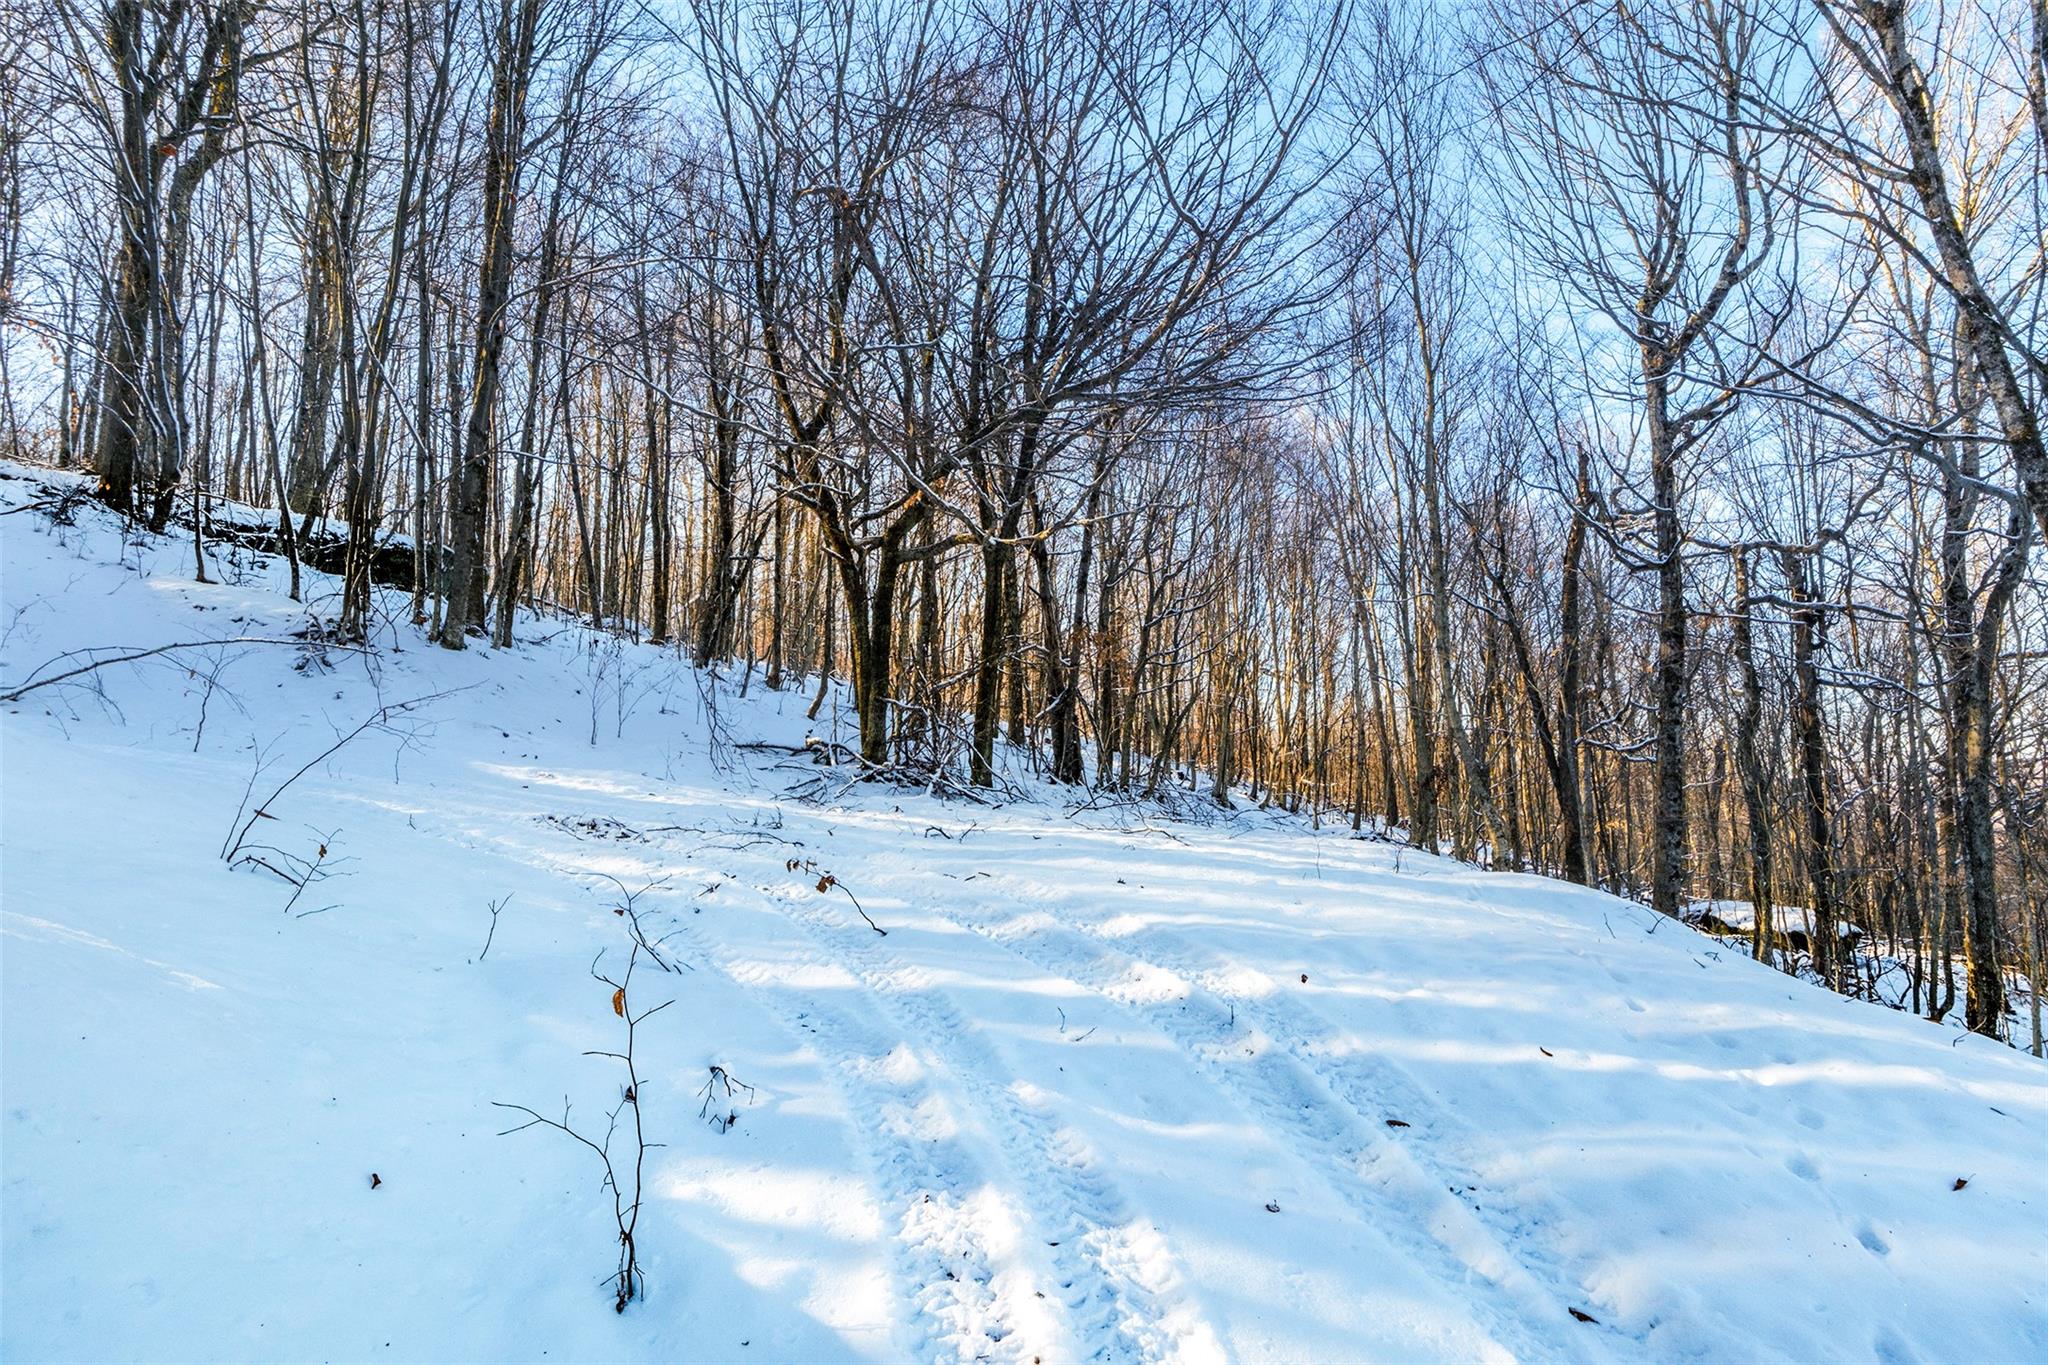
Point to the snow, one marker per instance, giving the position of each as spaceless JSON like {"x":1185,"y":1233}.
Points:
{"x":1048,"y":1116}
{"x":1740,"y":916}
{"x":1878,"y":976}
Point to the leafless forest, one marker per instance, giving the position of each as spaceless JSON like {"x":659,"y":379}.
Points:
{"x":1602,"y":439}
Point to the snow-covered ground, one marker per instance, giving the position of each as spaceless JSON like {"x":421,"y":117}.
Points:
{"x":1108,"y":1087}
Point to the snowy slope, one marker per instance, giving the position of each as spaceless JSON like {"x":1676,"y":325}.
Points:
{"x":1109,"y":1087}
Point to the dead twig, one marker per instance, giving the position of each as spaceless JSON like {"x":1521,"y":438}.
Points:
{"x":826,"y":881}
{"x":627,"y":1194}
{"x":496,"y":907}
{"x":722,"y":1086}
{"x":628,"y":909}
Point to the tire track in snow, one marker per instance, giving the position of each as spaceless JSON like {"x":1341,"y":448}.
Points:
{"x":1348,"y":1148}
{"x":956,"y":1259}
{"x":1122,"y":1291}
{"x":963,"y":1269}
{"x":1423,"y":1162}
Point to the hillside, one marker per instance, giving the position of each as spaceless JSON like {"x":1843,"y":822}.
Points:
{"x":1107,"y":1085}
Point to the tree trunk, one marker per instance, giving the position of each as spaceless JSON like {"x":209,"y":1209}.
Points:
{"x":502,"y":164}
{"x":1749,"y":768}
{"x":1806,"y":715}
{"x":1668,"y":825}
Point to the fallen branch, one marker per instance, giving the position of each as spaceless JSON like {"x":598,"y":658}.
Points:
{"x":18,"y":692}
{"x":237,"y":837}
{"x":298,"y":870}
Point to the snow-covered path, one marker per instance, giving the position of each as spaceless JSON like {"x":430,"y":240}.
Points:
{"x":1109,"y":1087}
